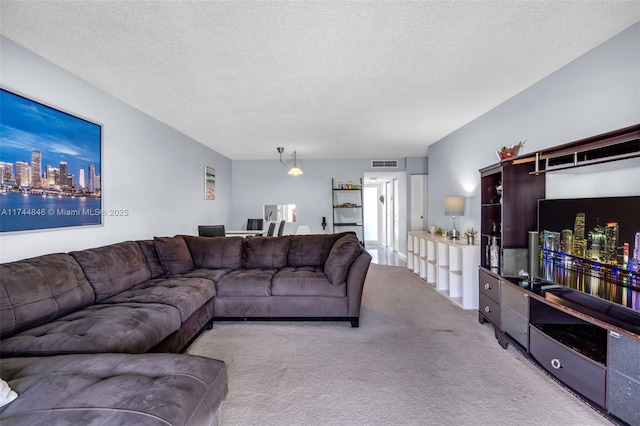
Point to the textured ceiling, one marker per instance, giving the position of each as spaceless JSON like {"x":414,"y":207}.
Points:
{"x":331,"y":79}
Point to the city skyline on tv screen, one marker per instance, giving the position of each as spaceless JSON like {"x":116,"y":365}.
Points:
{"x":603,"y":230}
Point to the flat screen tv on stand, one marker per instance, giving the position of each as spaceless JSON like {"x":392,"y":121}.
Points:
{"x":592,"y":245}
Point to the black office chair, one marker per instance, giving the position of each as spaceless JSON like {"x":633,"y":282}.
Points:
{"x":211,"y":230}
{"x":281,"y":228}
{"x":272,"y":229}
{"x":254,"y":224}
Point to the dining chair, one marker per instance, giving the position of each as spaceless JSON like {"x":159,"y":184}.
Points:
{"x":271,"y":230}
{"x":255,"y":224}
{"x":281,"y":228}
{"x":211,"y":230}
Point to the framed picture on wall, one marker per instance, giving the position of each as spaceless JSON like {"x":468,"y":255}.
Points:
{"x":50,"y":167}
{"x":209,"y":183}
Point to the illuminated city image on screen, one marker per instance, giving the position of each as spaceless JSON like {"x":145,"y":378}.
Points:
{"x":591,"y":240}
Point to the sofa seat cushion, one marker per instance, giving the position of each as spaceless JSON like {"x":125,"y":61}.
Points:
{"x":37,"y":290}
{"x":246,"y":282}
{"x":185,"y":294}
{"x":113,"y":268}
{"x":210,"y":274}
{"x":125,"y":327}
{"x":115,"y":389}
{"x":305,"y":281}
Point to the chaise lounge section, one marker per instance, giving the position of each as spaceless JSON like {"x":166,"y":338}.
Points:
{"x":114,"y":389}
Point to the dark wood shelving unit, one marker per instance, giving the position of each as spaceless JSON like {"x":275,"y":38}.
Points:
{"x":588,"y":343}
{"x":511,"y":213}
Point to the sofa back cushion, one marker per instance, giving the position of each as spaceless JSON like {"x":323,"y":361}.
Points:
{"x":114,"y":268}
{"x":174,"y":254}
{"x":215,"y":252}
{"x":38,"y":290}
{"x":266,"y":252}
{"x":153,"y":261}
{"x":341,"y":256}
{"x":311,"y":250}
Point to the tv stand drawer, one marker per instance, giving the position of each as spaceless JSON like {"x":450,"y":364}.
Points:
{"x":490,"y":309}
{"x":579,"y":373}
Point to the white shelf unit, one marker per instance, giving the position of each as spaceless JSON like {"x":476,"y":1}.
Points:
{"x":410,"y":252}
{"x":448,"y":266}
{"x":432,"y":263}
{"x":416,"y":255}
{"x":442,"y":281}
{"x":423,"y":258}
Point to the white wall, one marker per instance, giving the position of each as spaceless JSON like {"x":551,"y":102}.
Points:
{"x":147,"y":167}
{"x":256,"y":183}
{"x":594,"y":94}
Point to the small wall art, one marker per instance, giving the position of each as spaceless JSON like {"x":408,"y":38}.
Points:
{"x":209,"y":183}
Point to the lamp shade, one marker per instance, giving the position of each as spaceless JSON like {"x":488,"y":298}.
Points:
{"x":453,"y":206}
{"x":295,"y":170}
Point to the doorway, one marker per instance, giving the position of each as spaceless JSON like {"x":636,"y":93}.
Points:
{"x":382,"y":213}
{"x":372,"y":202}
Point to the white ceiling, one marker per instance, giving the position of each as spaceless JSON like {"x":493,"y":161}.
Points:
{"x":333,"y":79}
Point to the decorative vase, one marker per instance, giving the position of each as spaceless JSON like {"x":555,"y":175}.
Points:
{"x":470,"y":240}
{"x":494,"y":253}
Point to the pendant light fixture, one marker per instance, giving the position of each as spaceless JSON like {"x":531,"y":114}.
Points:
{"x":295,"y":170}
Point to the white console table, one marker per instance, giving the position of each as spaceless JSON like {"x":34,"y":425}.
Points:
{"x":451,"y":267}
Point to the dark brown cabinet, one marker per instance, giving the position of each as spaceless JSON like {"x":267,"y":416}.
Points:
{"x":589,"y":343}
{"x":509,"y":197}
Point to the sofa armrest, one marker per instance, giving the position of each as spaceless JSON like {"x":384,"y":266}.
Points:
{"x":355,"y":282}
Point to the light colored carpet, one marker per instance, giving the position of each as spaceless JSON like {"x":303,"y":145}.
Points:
{"x":416,"y":359}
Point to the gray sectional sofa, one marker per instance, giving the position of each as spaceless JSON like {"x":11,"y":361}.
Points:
{"x":99,"y":313}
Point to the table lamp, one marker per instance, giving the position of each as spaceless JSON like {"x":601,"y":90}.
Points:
{"x":454,"y":206}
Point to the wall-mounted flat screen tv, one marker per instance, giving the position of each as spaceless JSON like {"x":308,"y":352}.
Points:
{"x":50,"y":167}
{"x":593,"y":245}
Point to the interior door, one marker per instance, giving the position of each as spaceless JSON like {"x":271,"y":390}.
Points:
{"x":418,"y":202}
{"x":396,"y":219}
{"x":389,"y":214}
{"x":372,"y":213}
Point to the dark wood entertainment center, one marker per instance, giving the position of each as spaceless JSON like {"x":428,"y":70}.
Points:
{"x":588,"y":343}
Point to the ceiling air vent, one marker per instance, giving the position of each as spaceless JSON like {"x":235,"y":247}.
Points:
{"x":384,"y":164}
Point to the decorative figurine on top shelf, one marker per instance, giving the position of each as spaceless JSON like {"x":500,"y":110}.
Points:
{"x":507,"y":152}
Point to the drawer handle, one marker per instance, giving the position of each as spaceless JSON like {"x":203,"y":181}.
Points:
{"x":556,"y":364}
{"x":487,"y":309}
{"x":487,"y":286}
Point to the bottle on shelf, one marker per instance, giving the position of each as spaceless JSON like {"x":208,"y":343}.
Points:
{"x":494,"y":253}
